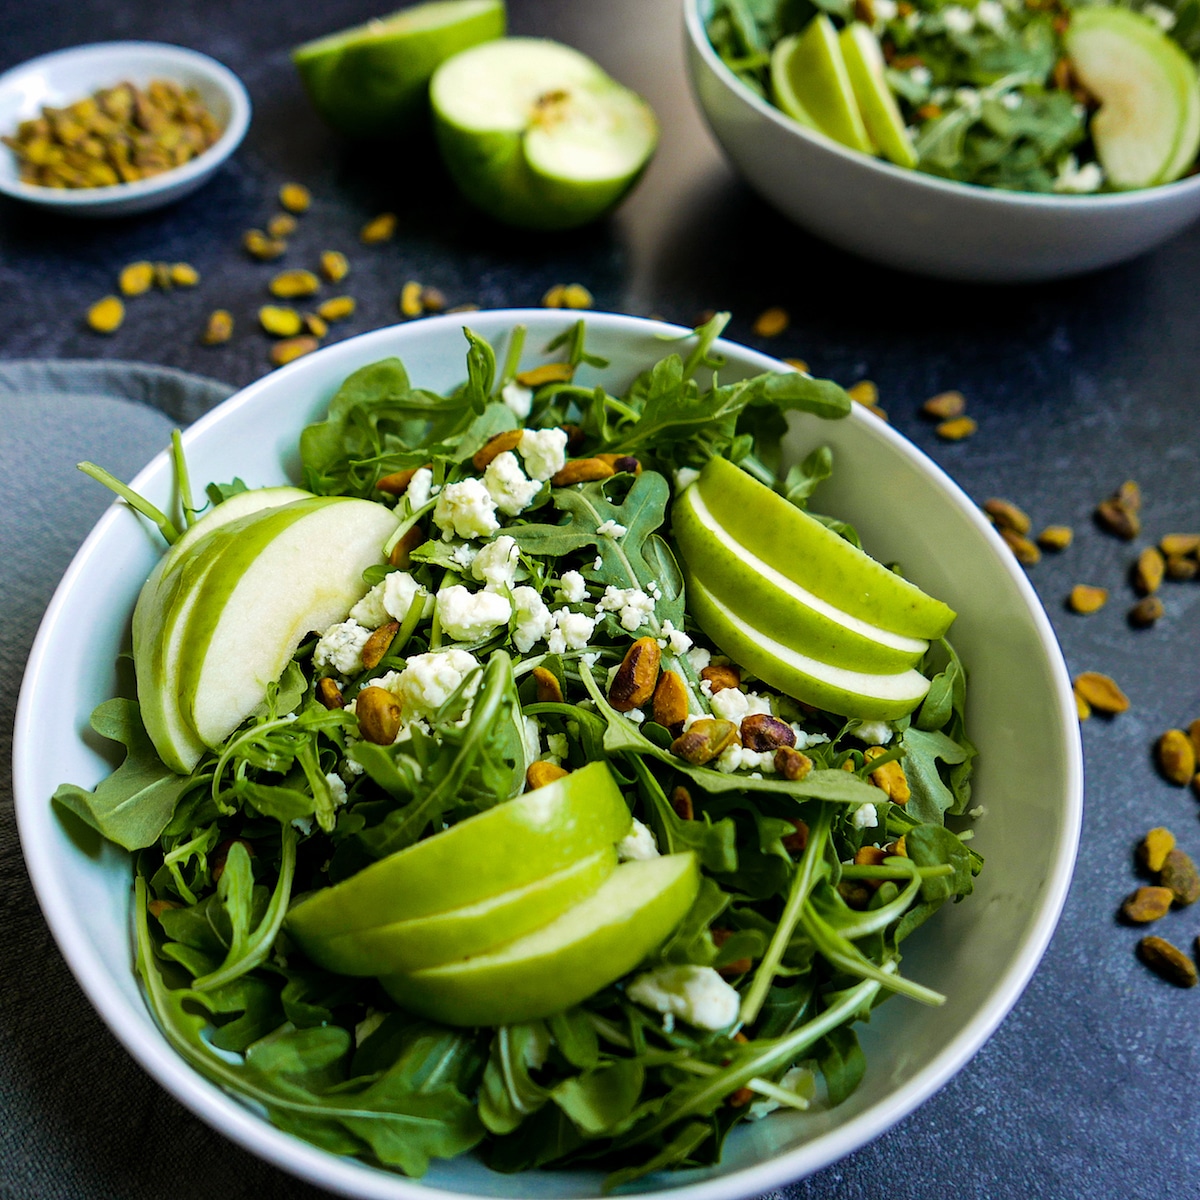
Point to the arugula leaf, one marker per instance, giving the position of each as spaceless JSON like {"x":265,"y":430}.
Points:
{"x":134,"y":804}
{"x":923,"y":749}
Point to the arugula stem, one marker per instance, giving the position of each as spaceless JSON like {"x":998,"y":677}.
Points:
{"x":182,"y":479}
{"x":804,"y":878}
{"x":139,"y":503}
{"x":512,"y":359}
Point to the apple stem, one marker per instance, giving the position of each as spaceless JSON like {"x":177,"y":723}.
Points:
{"x":139,"y":503}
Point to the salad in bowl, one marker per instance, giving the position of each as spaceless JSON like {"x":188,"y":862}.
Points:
{"x":544,"y":777}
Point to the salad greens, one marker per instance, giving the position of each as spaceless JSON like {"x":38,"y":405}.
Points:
{"x":983,"y":86}
{"x":296,"y":801}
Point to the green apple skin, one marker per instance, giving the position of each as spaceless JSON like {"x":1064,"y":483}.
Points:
{"x":1147,"y":129}
{"x":160,"y":617}
{"x":880,"y":112}
{"x":373,"y":81}
{"x":460,"y":932}
{"x":279,"y":575}
{"x":537,"y":135}
{"x":505,"y":848}
{"x":871,"y":697}
{"x":806,"y":552}
{"x":797,"y":618}
{"x":782,"y":92}
{"x":585,"y":949}
{"x":821,"y":84}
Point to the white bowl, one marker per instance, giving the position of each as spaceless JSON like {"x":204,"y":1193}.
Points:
{"x":65,"y":76}
{"x":980,"y":953}
{"x":914,"y":221}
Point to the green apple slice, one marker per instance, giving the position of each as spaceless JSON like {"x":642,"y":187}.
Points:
{"x":880,"y":112}
{"x":800,"y":619}
{"x":505,"y":848}
{"x":808,"y":73}
{"x":872,"y":697}
{"x":750,"y":515}
{"x":590,"y":946}
{"x":1147,"y":129}
{"x":536,"y":134}
{"x":447,"y":936}
{"x":373,"y":80}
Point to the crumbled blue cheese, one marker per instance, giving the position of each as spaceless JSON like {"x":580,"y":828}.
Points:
{"x":633,"y":606}
{"x":732,"y":704}
{"x":1011,"y":100}
{"x":921,"y":76}
{"x":697,"y":995}
{"x":885,"y":10}
{"x":463,"y":555}
{"x":390,"y":600}
{"x":429,"y":680}
{"x":699,"y":658}
{"x":556,"y":746}
{"x":638,"y":844}
{"x":685,"y":477}
{"x":738,"y":758}
{"x":873,"y":733}
{"x":419,"y":490}
{"x":532,"y":620}
{"x":674,"y":640}
{"x":511,"y":489}
{"x":573,"y":588}
{"x":804,"y":738}
{"x":800,"y":1081}
{"x":337,"y":789}
{"x":340,"y":648}
{"x":958,"y":19}
{"x":572,"y":631}
{"x":991,"y":15}
{"x":518,"y":399}
{"x":468,"y":616}
{"x":496,"y":563}
{"x":465,"y":510}
{"x":1077,"y":180}
{"x":612,"y":529}
{"x":865,"y":816}
{"x":544,"y":452}
{"x":1162,"y":16}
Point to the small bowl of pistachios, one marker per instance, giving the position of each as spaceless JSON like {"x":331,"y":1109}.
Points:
{"x":117,"y":127}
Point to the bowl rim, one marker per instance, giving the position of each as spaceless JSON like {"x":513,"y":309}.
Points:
{"x":349,"y":1177}
{"x":983,"y":193}
{"x":129,"y":52}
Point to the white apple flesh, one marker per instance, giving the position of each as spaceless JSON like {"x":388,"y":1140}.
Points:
{"x":880,"y":112}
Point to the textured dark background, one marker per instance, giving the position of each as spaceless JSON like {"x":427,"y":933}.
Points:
{"x":1089,"y":1088}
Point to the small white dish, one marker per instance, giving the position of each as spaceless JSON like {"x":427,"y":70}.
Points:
{"x":920,"y":222}
{"x":65,"y":76}
{"x":1021,"y":715}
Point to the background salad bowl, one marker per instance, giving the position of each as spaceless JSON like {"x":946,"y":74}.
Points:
{"x":1021,"y":716}
{"x":915,"y":221}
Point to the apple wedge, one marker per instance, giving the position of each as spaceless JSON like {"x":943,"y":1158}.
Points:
{"x":511,"y":846}
{"x":446,"y":936}
{"x":585,"y":949}
{"x":536,"y":134}
{"x":1147,"y":129}
{"x":880,"y":112}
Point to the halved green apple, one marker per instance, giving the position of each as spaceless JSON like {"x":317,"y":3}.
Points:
{"x":509,"y":847}
{"x":585,"y":949}
{"x":880,"y":112}
{"x":446,"y":936}
{"x":811,"y":84}
{"x":536,"y":134}
{"x":1147,"y":129}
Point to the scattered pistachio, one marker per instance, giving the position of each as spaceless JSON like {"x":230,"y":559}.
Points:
{"x":258,"y":245}
{"x":1176,"y":757}
{"x":336,"y":308}
{"x":636,"y":677}
{"x":1025,"y":551}
{"x":334,"y":265}
{"x":329,"y":694}
{"x":219,"y":328}
{"x":280,"y":322}
{"x":462,"y":308}
{"x":549,"y":690}
{"x":163,"y":278}
{"x":496,"y":445}
{"x":1087,"y":599}
{"x":554,"y":296}
{"x":1055,"y":537}
{"x":184,"y":275}
{"x":1148,"y":570}
{"x":1119,"y":513}
{"x":1179,"y":874}
{"x":281,"y":225}
{"x":1006,"y":515}
{"x":1146,"y":611}
{"x":791,"y":764}
{"x":1166,"y":960}
{"x":295,"y":197}
{"x":867,"y":394}
{"x":378,"y":713}
{"x":957,"y":428}
{"x":292,"y":348}
{"x":105,"y":316}
{"x":1147,"y":904}
{"x":945,"y":405}
{"x":1154,"y":848}
{"x":576,"y":296}
{"x":541,"y":773}
{"x":432,"y":300}
{"x":719,"y":676}
{"x":771,"y":322}
{"x":1179,"y":543}
{"x":136,"y":278}
{"x":396,"y":483}
{"x":681,"y":802}
{"x":379,"y":229}
{"x":555,"y":372}
{"x":795,"y":843}
{"x":797,"y":364}
{"x":1101,"y":692}
{"x":290,"y":285}
{"x":1179,"y":567}
{"x":581,"y":470}
{"x":401,"y":553}
{"x":1082,"y":707}
{"x":410,"y":299}
{"x":315,"y":325}
{"x":889,"y":778}
{"x":761,"y":731}
{"x":670,"y":705}
{"x":705,"y":740}
{"x":378,"y":644}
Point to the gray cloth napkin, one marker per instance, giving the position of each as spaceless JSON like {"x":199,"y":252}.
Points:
{"x":80,"y":1120}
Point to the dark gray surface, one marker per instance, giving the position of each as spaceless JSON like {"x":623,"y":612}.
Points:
{"x":1088,"y":1088}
